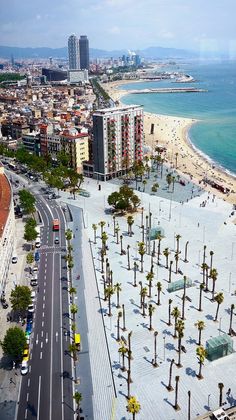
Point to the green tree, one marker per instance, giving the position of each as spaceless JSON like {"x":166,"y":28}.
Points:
{"x":94,"y":230}
{"x":169,"y":180}
{"x":200,"y":326}
{"x":130,"y":222}
{"x":123,"y":350}
{"x":78,"y":398}
{"x":151,"y":309}
{"x":27,"y":201}
{"x":176,"y":314}
{"x":30,"y":258}
{"x":180,"y":331}
{"x":14,"y":343}
{"x":166,"y":254}
{"x":159,"y":289}
{"x":219,"y":298}
{"x":213,"y":275}
{"x":201,"y":355}
{"x":133,"y":406}
{"x":30,"y":233}
{"x":20,"y":298}
{"x":141,"y":251}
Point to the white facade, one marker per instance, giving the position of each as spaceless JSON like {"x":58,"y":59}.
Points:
{"x":78,"y":76}
{"x":73,"y":53}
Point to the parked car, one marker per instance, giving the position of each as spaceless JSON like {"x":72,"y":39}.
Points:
{"x":33,"y":295}
{"x":24,"y":368}
{"x":14,"y":260}
{"x":29,"y":327}
{"x":31,"y":308}
{"x":34,"y":282}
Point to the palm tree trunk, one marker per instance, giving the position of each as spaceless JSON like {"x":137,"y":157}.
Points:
{"x":217,"y":310}
{"x":179,"y":352}
{"x":199,"y":337}
{"x":169,"y":386}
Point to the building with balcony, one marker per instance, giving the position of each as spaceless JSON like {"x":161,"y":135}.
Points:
{"x":117,"y":140}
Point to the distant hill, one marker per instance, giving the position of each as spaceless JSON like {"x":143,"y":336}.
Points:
{"x":45,"y":52}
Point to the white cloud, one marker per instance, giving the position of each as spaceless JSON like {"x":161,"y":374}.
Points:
{"x":115,"y":30}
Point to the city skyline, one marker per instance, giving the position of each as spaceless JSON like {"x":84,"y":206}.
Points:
{"x":108,"y":24}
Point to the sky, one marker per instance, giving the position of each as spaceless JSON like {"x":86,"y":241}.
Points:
{"x":120,"y":24}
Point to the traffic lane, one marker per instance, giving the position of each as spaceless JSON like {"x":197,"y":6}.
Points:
{"x":57,"y":368}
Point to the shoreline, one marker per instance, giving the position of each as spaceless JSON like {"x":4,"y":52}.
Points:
{"x":172,"y":132}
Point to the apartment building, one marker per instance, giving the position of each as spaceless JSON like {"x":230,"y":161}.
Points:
{"x":117,"y":140}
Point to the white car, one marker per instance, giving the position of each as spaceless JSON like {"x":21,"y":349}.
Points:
{"x":31,"y":308}
{"x":14,"y":260}
{"x":24,"y":368}
{"x":37,"y":244}
{"x":33,"y":295}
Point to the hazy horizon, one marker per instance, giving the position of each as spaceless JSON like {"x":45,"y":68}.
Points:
{"x":121,"y":24}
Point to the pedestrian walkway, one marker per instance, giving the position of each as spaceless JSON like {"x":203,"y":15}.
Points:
{"x":102,"y":380}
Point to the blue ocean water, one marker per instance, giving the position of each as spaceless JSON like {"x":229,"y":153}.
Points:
{"x":215,"y":134}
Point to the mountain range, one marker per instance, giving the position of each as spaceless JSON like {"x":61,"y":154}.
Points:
{"x":61,"y":53}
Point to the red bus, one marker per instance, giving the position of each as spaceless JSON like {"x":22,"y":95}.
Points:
{"x":55,"y":225}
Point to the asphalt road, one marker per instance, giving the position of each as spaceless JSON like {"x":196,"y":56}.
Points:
{"x":46,"y":392}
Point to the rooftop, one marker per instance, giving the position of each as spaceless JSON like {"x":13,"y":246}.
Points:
{"x":5,"y":199}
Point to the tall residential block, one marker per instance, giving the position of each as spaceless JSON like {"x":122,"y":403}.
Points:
{"x":73,"y":53}
{"x":117,"y":140}
{"x":84,"y":52}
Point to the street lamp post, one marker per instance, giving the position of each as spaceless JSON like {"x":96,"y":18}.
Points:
{"x":155,"y":349}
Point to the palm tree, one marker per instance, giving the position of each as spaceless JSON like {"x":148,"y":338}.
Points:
{"x":78,"y":398}
{"x":154,"y":361}
{"x":141,"y":251}
{"x":200,"y":326}
{"x":176,"y":314}
{"x":114,"y":225}
{"x":166,"y":254}
{"x":102,"y":224}
{"x":189,"y":405}
{"x":143,"y":295}
{"x":219,"y":298}
{"x":169,"y":311}
{"x":149,"y":278}
{"x":211,"y":255}
{"x":200,"y":297}
{"x":159,"y":238}
{"x":204,"y":254}
{"x":159,"y":289}
{"x":94,"y":229}
{"x":168,"y":180}
{"x":117,"y":289}
{"x":102,"y":260}
{"x":121,"y":245}
{"x":130,"y":221}
{"x":177,"y":237}
{"x":170,"y":271}
{"x":119,"y":315}
{"x":128,"y":257}
{"x":169,"y":386}
{"x":180,"y":331}
{"x":123,"y":316}
{"x":142,"y":227}
{"x":123,"y":350}
{"x":231,"y":318}
{"x":117,"y":233}
{"x":135,"y":273}
{"x":184,"y":297}
{"x":221,"y":387}
{"x":68,"y":235}
{"x":104,"y":238}
{"x":204,"y":267}
{"x":176,"y":406}
{"x":151,"y":309}
{"x":213,"y":275}
{"x":176,"y":261}
{"x":186,"y":252}
{"x":133,"y":406}
{"x":109,"y":291}
{"x":201,"y":353}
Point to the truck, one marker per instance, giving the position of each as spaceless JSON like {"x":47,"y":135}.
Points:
{"x":55,"y":225}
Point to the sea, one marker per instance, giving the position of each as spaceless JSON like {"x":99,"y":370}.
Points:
{"x":215,"y":134}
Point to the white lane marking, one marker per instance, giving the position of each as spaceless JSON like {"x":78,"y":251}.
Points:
{"x":41,"y":333}
{"x":45,"y":278}
{"x":56,"y":336}
{"x":43,"y":305}
{"x":44,"y":297}
{"x":37,"y":339}
{"x":45,"y":265}
{"x":43,"y":314}
{"x":46,"y":338}
{"x":41,"y":345}
{"x":30,"y":366}
{"x":28,"y":383}
{"x":26,"y":413}
{"x":41,"y":355}
{"x":42,"y":323}
{"x":44,"y":290}
{"x":27,"y":397}
{"x":51,"y":345}
{"x":39,"y":397}
{"x":44,"y":283}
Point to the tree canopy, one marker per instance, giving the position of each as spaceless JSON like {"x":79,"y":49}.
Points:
{"x":14,"y":343}
{"x":124,"y":199}
{"x":20,"y":298}
{"x":27,"y":201}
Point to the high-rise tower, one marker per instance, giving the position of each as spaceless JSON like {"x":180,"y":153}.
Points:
{"x":84,"y":52}
{"x":73,"y":53}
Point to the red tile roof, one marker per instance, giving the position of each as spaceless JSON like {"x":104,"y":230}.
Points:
{"x":5,"y":201}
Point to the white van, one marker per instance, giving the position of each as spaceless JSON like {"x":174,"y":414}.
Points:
{"x":37,"y":241}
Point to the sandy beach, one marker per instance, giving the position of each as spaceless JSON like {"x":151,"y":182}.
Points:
{"x":172,"y":133}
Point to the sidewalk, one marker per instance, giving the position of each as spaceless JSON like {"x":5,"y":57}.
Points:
{"x":10,"y":378}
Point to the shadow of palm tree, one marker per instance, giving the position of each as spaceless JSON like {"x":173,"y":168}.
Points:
{"x":190,"y":372}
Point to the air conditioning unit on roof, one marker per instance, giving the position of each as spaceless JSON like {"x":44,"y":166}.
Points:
{"x":220,"y":414}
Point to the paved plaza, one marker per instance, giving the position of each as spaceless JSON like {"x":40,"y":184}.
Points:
{"x":211,"y":225}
